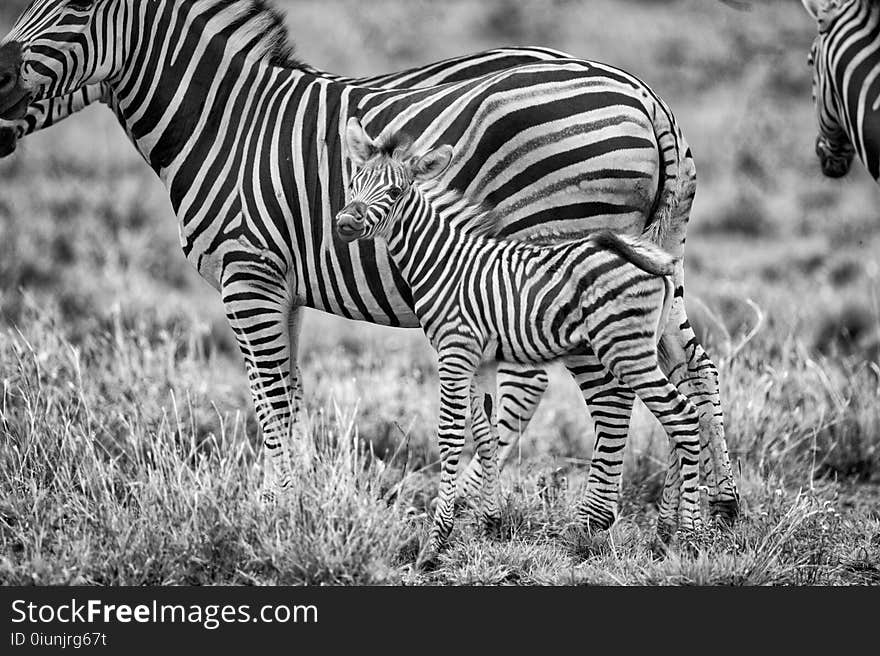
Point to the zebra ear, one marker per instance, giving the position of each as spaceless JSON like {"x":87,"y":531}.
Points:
{"x":360,"y":146}
{"x":431,"y":164}
{"x":813,"y":7}
{"x":824,"y":12}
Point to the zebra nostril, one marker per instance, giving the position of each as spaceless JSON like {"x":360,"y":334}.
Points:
{"x":7,"y":82}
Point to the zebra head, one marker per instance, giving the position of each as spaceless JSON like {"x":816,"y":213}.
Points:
{"x":833,"y":145}
{"x":386,"y":172}
{"x":56,"y":47}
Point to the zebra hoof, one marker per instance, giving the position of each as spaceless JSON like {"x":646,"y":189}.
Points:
{"x":689,"y":542}
{"x":665,"y":532}
{"x":268,"y":497}
{"x":724,"y":511}
{"x":491,"y":527}
{"x":659,"y":547}
{"x":427,"y":559}
{"x":595,"y":520}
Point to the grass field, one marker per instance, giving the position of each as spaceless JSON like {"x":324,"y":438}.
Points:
{"x":129,"y":449}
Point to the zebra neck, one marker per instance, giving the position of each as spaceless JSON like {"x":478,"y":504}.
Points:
{"x":425,"y":245}
{"x":183,"y":63}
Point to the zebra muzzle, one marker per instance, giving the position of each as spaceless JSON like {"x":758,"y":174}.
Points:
{"x":835,"y":162}
{"x":350,"y":223}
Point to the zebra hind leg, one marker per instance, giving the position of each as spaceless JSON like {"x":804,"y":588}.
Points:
{"x":667,"y":520}
{"x":519,"y":393}
{"x":486,"y":448}
{"x":610,"y":406}
{"x":634,"y":363}
{"x":680,"y":420}
{"x":694,"y":373}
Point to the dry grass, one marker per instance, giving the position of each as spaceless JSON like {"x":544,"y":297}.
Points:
{"x":129,"y":450}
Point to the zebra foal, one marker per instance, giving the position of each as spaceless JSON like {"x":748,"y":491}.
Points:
{"x":480,"y":299}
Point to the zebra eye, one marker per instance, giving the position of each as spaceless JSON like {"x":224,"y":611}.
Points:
{"x":395,"y":192}
{"x":80,"y":5}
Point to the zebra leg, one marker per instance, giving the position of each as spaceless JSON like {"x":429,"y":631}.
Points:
{"x":258,"y":310}
{"x":298,"y":438}
{"x":667,"y":519}
{"x":686,"y":362}
{"x":519,"y":392}
{"x":681,"y":422}
{"x":456,"y":370}
{"x":486,"y":448}
{"x":632,"y":358}
{"x":610,"y":406}
{"x":694,"y":373}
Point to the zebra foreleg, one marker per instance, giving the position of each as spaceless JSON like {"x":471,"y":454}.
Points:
{"x":610,"y":406}
{"x":258,"y":310}
{"x":457,"y":365}
{"x":519,"y":393}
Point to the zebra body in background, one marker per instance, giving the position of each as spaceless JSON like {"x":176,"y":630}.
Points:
{"x":248,"y":143}
{"x":846,"y":83}
{"x":480,"y":300}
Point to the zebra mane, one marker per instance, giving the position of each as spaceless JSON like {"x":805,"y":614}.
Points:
{"x":465,"y":213}
{"x":394,"y":144}
{"x":275,"y":47}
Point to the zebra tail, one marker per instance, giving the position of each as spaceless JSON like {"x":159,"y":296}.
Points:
{"x":675,"y":167}
{"x":638,"y":251}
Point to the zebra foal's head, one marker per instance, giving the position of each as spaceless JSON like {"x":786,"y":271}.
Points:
{"x":54,"y":48}
{"x":833,"y":145}
{"x":385,"y":173}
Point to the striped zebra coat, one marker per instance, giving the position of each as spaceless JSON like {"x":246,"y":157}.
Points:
{"x":480,"y":299}
{"x":846,"y":83}
{"x":248,"y":143}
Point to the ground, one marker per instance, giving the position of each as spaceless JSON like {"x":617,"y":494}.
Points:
{"x":129,"y":449}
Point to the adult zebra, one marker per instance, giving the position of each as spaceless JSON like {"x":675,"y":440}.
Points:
{"x":846,"y":83}
{"x":248,"y":143}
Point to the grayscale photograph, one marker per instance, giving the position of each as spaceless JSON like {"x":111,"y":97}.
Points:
{"x":435,"y":293}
